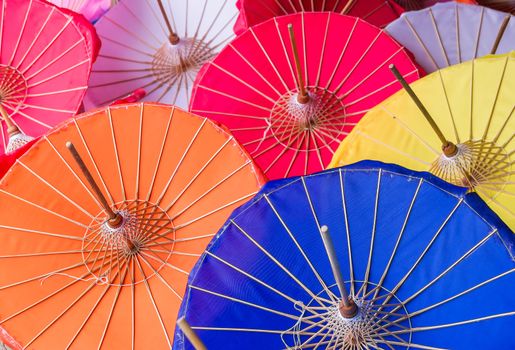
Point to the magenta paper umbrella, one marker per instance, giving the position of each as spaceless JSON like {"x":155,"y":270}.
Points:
{"x":450,"y":33}
{"x":290,"y":89}
{"x":377,"y":12}
{"x":91,"y":9}
{"x":45,"y":61}
{"x":158,"y":45}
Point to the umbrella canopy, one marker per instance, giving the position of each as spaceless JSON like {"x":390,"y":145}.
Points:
{"x":91,"y":9}
{"x":45,"y":61}
{"x":412,"y":5}
{"x":101,"y":260}
{"x":377,"y":12}
{"x":501,"y":5}
{"x":473,"y":105}
{"x":451,"y":33}
{"x":427,"y":267}
{"x":158,"y":46}
{"x":292,"y":87}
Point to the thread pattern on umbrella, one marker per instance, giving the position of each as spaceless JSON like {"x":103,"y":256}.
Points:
{"x":376,"y":12}
{"x":450,"y":33}
{"x":254,"y":87}
{"x":476,"y":114}
{"x":159,"y":46}
{"x":392,"y":243}
{"x":171,"y":179}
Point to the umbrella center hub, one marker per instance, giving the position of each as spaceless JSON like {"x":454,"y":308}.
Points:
{"x":307,"y":126}
{"x":476,"y":163}
{"x":143,"y":242}
{"x":380,"y":312}
{"x":13,"y":87}
{"x":189,"y":54}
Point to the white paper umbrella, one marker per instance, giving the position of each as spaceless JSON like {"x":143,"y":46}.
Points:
{"x":450,"y":33}
{"x":158,"y":45}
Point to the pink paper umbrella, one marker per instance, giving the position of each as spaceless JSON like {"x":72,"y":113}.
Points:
{"x":45,"y":61}
{"x":377,"y":12}
{"x":91,"y":9}
{"x":291,"y":88}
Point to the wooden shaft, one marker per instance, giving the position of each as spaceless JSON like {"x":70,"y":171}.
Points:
{"x":114,"y":219}
{"x":190,"y":334}
{"x":174,"y":38}
{"x":303,"y":96}
{"x":348,"y":7}
{"x":500,"y":33}
{"x":448,"y":147}
{"x":347,"y":303}
{"x":12,"y":129}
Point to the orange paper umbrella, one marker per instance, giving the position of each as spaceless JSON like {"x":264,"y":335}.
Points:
{"x":97,"y":240}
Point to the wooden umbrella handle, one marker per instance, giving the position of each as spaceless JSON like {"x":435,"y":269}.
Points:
{"x":190,"y":334}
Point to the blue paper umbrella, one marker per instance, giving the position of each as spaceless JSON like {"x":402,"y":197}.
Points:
{"x":426,"y":265}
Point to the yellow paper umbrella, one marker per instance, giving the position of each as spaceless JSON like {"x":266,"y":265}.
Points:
{"x":471,"y":142}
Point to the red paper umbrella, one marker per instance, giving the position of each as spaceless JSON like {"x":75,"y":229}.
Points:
{"x":291,"y":110}
{"x":377,"y":12}
{"x":45,"y":60}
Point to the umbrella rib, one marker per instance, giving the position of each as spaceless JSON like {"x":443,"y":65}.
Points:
{"x":138,"y":165}
{"x":199,"y":24}
{"x":294,"y":156}
{"x":420,"y":42}
{"x":71,"y":170}
{"x":147,"y":286}
{"x":49,"y":185}
{"x":44,"y":50}
{"x":292,"y":237}
{"x":344,"y":50}
{"x":477,"y":286}
{"x":240,"y":301}
{"x":57,"y":58}
{"x":179,"y":163}
{"x":44,"y":209}
{"x":490,"y":117}
{"x":243,"y":82}
{"x":421,"y":256}
{"x":129,"y":47}
{"x":137,"y":18}
{"x":88,"y":151}
{"x":348,"y":92}
{"x":322,"y":53}
{"x":159,"y":275}
{"x":132,"y":34}
{"x":245,"y":197}
{"x":267,"y":56}
{"x":56,"y":92}
{"x":457,"y":262}
{"x":115,"y":300}
{"x":232,"y":97}
{"x":437,"y":32}
{"x":458,"y":37}
{"x":387,"y":146}
{"x":22,"y":31}
{"x":460,"y":323}
{"x":479,"y":30}
{"x":115,"y":148}
{"x":281,"y":266}
{"x":408,"y":345}
{"x":347,"y":232}
{"x":49,"y":234}
{"x":254,"y":68}
{"x":403,"y":125}
{"x":449,"y":107}
{"x":372,"y":238}
{"x":193,"y":202}
{"x":401,"y":233}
